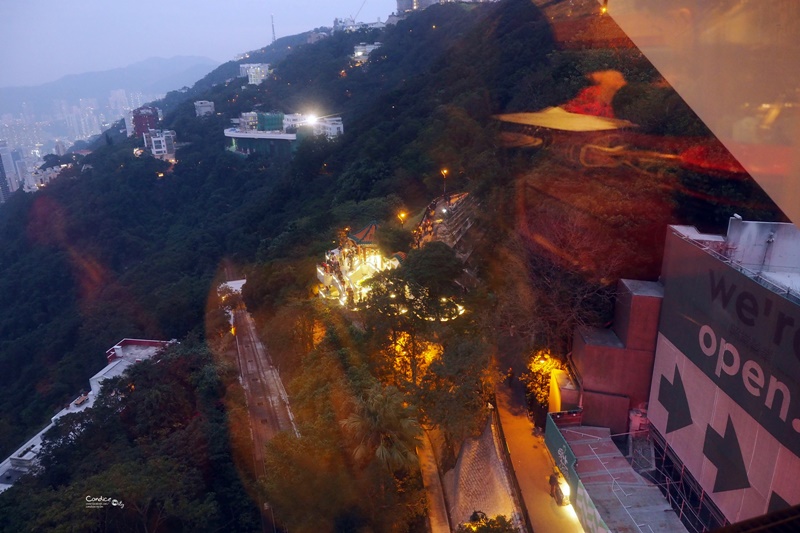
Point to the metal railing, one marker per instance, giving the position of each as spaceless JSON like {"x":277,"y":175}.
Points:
{"x":782,"y":290}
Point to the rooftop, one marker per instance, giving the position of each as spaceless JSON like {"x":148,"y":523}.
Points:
{"x":600,"y":337}
{"x":255,"y":134}
{"x":113,"y":369}
{"x":625,"y":500}
{"x":135,"y":349}
{"x":644,"y":288}
{"x":767,"y":252}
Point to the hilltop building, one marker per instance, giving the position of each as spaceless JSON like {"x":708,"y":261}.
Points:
{"x":244,"y":67}
{"x":39,"y":178}
{"x":203,"y":108}
{"x":350,"y":24}
{"x":361,"y":52}
{"x":255,"y":73}
{"x":261,"y":133}
{"x":329,"y":126}
{"x":120,"y":357}
{"x":276,"y":134}
{"x":142,"y":120}
{"x":161,"y":143}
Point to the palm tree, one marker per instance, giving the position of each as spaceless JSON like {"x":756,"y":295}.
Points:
{"x":481,"y":523}
{"x":384,"y":428}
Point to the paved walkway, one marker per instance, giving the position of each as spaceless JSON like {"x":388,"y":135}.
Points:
{"x":437,"y":509}
{"x":533,"y":466}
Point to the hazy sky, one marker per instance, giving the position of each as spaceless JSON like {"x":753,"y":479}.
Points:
{"x":43,"y":40}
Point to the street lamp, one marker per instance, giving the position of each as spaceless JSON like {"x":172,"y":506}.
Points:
{"x":444,"y":180}
{"x":402,"y":216}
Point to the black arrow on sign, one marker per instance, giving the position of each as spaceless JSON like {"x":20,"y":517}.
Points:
{"x":726,"y":454}
{"x":776,"y":503}
{"x":673,"y":397}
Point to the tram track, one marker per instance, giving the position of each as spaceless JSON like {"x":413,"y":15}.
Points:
{"x":267,"y":402}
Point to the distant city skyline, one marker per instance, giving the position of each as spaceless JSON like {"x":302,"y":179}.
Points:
{"x":46,"y":40}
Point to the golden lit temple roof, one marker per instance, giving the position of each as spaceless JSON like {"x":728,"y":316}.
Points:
{"x":366,"y":235}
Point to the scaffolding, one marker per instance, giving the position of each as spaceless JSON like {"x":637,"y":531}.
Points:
{"x":685,"y":495}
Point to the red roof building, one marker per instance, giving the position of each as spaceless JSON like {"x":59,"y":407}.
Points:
{"x":143,"y":120}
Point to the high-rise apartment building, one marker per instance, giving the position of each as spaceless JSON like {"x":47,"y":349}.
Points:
{"x":9,"y":181}
{"x":118,"y":102}
{"x":256,"y":72}
{"x":142,"y":120}
{"x":4,"y":192}
{"x":60,"y":148}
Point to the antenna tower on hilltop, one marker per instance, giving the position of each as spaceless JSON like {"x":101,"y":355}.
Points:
{"x":359,"y":11}
{"x":273,"y":27}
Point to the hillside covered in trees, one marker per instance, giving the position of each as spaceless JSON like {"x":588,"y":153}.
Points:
{"x":131,"y":248}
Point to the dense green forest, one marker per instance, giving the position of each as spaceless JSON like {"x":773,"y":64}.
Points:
{"x":159,"y":443}
{"x":116,"y":250}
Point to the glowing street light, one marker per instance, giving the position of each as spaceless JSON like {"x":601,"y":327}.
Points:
{"x":402,"y":216}
{"x":444,"y":180}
